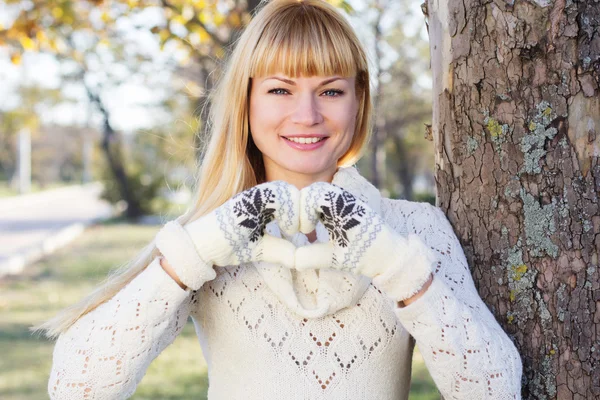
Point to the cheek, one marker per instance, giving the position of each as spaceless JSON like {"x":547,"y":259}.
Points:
{"x":346,"y":121}
{"x":263,"y":119}
{"x":264,"y":124}
{"x":257,"y":123}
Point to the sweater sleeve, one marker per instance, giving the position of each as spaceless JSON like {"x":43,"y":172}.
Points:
{"x":467,"y":353}
{"x":105,"y":354}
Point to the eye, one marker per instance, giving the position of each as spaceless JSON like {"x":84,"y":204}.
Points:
{"x":278,"y":91}
{"x":333,"y":92}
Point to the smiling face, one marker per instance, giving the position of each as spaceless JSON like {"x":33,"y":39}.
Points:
{"x":303,"y":125}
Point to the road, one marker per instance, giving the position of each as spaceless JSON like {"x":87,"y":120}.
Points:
{"x":36,"y":224}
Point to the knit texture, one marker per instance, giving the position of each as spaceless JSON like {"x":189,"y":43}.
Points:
{"x":258,"y":346}
{"x":178,"y":247}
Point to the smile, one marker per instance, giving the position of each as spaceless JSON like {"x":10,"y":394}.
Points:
{"x":305,"y":140}
{"x":305,"y":143}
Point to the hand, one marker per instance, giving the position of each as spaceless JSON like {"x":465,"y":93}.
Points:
{"x":234,"y":233}
{"x":360,"y":242}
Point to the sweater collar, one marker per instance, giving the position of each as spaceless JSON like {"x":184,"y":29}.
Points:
{"x":316,"y":293}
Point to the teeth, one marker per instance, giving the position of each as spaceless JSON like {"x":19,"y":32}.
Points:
{"x":303,"y":140}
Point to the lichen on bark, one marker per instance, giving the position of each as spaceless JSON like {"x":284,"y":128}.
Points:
{"x":532,"y":144}
{"x":539,"y":226}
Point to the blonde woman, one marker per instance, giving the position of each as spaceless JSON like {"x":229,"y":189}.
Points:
{"x":301,"y":280}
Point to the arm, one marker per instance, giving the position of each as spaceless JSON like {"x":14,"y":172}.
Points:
{"x":171,"y":272}
{"x":105,"y":354}
{"x":466,"y":351}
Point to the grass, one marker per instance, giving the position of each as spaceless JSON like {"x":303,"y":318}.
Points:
{"x":60,"y":280}
{"x":421,"y":385}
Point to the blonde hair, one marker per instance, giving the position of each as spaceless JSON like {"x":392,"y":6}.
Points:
{"x":309,"y":38}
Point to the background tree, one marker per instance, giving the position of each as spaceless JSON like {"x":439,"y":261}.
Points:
{"x":11,"y":122}
{"x":75,"y":32}
{"x":398,"y":153}
{"x":405,"y":105}
{"x":516,"y":132}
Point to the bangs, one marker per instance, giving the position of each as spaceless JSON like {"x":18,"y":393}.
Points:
{"x":302,"y":41}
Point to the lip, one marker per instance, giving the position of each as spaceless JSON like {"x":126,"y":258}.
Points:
{"x":306,"y":136}
{"x":305,"y":146}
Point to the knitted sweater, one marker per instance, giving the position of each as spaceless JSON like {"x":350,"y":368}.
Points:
{"x":270,"y":333}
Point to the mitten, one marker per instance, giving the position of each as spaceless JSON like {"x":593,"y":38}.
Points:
{"x":361,"y":242}
{"x":233,"y":233}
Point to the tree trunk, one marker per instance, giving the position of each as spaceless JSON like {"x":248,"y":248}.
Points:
{"x":112,"y":148}
{"x":405,"y":170}
{"x":516,"y":126}
{"x":379,"y":133}
{"x":114,"y":155}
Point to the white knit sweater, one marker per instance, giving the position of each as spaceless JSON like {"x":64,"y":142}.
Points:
{"x":269,"y":333}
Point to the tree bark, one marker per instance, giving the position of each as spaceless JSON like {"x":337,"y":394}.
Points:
{"x":516,"y":126}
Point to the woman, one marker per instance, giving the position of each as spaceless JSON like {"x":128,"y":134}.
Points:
{"x":278,"y":316}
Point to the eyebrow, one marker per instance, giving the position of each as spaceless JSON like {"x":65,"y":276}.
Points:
{"x":291,"y":82}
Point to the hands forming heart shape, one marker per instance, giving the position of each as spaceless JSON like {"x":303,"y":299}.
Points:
{"x":360,"y":241}
{"x":357,"y":234}
{"x":243,"y":220}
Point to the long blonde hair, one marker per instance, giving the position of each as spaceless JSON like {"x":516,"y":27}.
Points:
{"x":308,"y":37}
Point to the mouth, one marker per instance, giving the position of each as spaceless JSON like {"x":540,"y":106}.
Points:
{"x":305,"y":143}
{"x":304,"y":139}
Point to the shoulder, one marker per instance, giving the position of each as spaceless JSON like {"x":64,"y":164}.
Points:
{"x":403,"y":206}
{"x":412,"y":216}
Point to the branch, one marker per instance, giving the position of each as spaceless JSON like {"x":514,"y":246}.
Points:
{"x":196,"y":19}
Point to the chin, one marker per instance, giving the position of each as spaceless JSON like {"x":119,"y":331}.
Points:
{"x":307,"y":167}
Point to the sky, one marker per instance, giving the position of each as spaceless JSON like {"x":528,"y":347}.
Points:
{"x":126,"y":102}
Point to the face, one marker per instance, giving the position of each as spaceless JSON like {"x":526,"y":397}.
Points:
{"x":302,"y":125}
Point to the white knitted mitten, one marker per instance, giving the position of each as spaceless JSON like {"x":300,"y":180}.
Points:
{"x":233,"y":234}
{"x":361,"y":242}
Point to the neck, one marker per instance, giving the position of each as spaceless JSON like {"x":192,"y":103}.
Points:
{"x":297,"y":179}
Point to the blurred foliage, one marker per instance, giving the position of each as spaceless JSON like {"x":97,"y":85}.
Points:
{"x":204,"y":27}
{"x":427,"y":197}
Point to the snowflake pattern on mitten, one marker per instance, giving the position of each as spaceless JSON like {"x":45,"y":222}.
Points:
{"x":233,"y":233}
{"x":244,"y":220}
{"x":255,"y":209}
{"x":352,"y":225}
{"x":341,"y":214}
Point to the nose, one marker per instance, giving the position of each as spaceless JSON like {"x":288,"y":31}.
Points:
{"x":306,"y":111}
